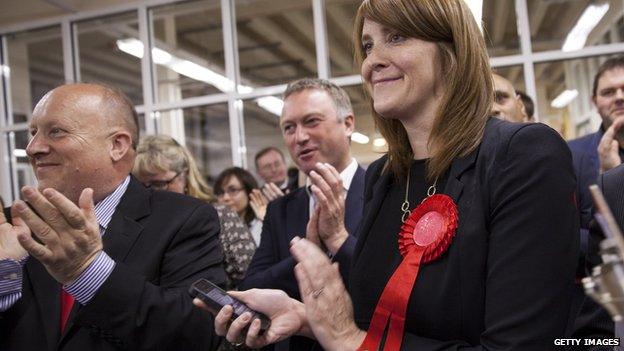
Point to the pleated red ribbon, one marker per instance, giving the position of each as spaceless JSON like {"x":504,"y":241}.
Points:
{"x":424,"y":237}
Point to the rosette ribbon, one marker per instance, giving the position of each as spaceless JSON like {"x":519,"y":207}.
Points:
{"x":424,"y":237}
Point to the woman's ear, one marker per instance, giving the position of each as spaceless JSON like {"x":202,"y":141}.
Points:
{"x":121,"y":143}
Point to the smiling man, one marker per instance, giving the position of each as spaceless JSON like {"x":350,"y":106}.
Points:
{"x":316,"y":122}
{"x":99,"y":262}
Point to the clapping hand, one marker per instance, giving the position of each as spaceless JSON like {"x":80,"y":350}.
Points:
{"x":272,"y":191}
{"x":609,"y":146}
{"x":9,"y":245}
{"x":69,"y":235}
{"x":330,"y":200}
{"x":258,"y":204}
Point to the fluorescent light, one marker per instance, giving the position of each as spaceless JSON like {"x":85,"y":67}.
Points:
{"x":201,"y":73}
{"x":19,"y":153}
{"x":379,"y":142}
{"x":271,"y":104}
{"x":359,"y":138}
{"x":587,"y":22}
{"x":476,"y":7}
{"x":564,"y":98}
{"x":161,"y":57}
{"x":5,"y":70}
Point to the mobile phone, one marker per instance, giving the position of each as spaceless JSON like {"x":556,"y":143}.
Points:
{"x":216,"y":298}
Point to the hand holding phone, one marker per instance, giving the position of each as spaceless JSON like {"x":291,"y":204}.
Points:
{"x":216,"y":298}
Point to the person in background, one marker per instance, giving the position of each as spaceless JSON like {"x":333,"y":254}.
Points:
{"x":238,"y":189}
{"x":163,"y":164}
{"x":529,"y":105}
{"x":469,"y":235}
{"x":507,"y":104}
{"x":271,"y":166}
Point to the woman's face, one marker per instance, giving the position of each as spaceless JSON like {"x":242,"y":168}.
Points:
{"x":234,"y":195}
{"x":170,"y":181}
{"x":402,"y":73}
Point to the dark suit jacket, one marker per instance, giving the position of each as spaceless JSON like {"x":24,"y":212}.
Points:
{"x":287,"y":217}
{"x":505,"y":282}
{"x":161,"y":243}
{"x":593,"y":320}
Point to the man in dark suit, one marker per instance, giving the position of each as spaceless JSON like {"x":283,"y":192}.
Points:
{"x":593,"y":320}
{"x":598,"y":152}
{"x":74,"y":276}
{"x":271,"y":167}
{"x":317,"y":122}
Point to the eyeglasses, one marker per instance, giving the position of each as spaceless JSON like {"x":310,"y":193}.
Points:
{"x":229,"y":191}
{"x":161,"y":184}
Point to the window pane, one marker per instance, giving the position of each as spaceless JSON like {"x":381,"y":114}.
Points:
{"x":499,"y":26}
{"x":340,"y":16}
{"x":188,"y":54}
{"x":262,"y":128}
{"x":578,"y":116}
{"x":206,"y":133}
{"x":110,"y":52}
{"x":275,"y":41}
{"x":36,"y":66}
{"x":548,"y":33}
{"x":364,"y":152}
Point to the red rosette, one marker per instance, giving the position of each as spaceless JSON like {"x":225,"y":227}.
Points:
{"x":431,"y":225}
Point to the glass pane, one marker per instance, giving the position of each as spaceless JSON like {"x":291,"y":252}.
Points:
{"x":25,"y":175}
{"x":110,"y":53}
{"x":36,"y":66}
{"x":365,"y":151}
{"x":499,"y":26}
{"x":262,"y":128}
{"x":275,"y":41}
{"x":576,"y":115}
{"x":188,"y":53}
{"x":205,"y":130}
{"x":339,"y":16}
{"x":578,"y":24}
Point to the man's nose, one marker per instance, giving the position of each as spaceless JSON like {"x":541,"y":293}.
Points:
{"x":301,"y":135}
{"x":36,"y":146}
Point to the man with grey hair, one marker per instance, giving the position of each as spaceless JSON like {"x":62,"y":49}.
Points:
{"x":316,"y":122}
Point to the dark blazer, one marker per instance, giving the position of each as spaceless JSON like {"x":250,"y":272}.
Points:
{"x":287,"y":217}
{"x":593,"y":320}
{"x":161,"y":243}
{"x":505,"y":282}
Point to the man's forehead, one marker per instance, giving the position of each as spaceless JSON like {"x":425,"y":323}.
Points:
{"x":614,"y":75}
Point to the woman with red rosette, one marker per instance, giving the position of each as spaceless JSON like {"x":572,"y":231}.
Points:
{"x":469,"y":234}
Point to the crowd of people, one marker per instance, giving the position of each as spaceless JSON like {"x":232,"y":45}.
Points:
{"x":472,"y":231}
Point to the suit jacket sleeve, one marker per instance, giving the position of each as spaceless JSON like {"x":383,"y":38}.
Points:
{"x":533,"y":245}
{"x":141,"y":315}
{"x":265,"y":271}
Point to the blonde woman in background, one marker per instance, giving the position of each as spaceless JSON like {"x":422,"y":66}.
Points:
{"x":163,"y":164}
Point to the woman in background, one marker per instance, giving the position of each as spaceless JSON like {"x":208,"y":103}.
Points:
{"x":163,"y":164}
{"x":238,"y":189}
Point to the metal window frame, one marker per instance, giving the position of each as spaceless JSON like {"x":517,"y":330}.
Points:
{"x":527,"y":58}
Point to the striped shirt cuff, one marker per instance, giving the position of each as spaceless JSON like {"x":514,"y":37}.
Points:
{"x":10,"y":282}
{"x":89,"y":282}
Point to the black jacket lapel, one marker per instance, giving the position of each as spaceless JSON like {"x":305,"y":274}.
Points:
{"x":354,"y":202}
{"x":297,"y":208}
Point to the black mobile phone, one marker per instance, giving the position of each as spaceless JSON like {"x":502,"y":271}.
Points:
{"x":216,"y":298}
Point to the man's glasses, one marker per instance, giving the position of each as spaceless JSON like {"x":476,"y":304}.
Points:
{"x":161,"y":184}
{"x":231,"y":191}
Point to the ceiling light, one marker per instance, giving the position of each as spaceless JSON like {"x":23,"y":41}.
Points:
{"x":379,"y":142}
{"x":587,"y":22}
{"x":359,"y":138}
{"x":564,"y":98}
{"x":271,"y":104}
{"x":19,"y":153}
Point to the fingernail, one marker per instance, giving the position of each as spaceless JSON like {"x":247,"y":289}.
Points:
{"x":28,"y":191}
{"x":246,"y":317}
{"x":20,"y":206}
{"x":294,"y":240}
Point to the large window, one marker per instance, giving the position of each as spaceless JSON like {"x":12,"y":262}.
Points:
{"x":216,"y":69}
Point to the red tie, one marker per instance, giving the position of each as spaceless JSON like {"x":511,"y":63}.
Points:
{"x":67,"y":302}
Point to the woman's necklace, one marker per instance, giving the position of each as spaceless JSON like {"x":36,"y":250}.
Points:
{"x":406,"y":205}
